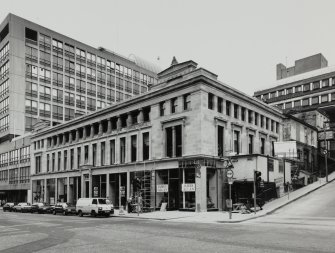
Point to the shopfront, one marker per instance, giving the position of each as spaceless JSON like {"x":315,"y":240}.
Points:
{"x":118,"y":189}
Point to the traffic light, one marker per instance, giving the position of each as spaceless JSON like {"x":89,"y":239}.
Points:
{"x":257,"y":176}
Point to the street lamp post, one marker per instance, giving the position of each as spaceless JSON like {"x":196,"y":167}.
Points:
{"x":326,"y":150}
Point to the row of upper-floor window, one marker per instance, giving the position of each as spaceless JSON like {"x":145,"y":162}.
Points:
{"x":237,"y":144}
{"x":299,"y":88}
{"x":4,"y":105}
{"x":126,"y":153}
{"x":18,"y":175}
{"x":4,"y":52}
{"x":315,"y":100}
{"x":4,"y":123}
{"x":4,"y":88}
{"x":3,"y":175}
{"x":186,"y":105}
{"x":34,"y":72}
{"x":15,"y":156}
{"x":241,"y":113}
{"x":101,"y":127}
{"x":4,"y":71}
{"x":71,"y":51}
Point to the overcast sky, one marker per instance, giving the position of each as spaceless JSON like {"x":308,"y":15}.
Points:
{"x":241,"y":41}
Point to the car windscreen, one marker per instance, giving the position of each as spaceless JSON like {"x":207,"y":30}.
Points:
{"x":102,"y":201}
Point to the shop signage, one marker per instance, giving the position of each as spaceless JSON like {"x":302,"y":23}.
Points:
{"x":96,"y":191}
{"x":230,"y":173}
{"x":162,"y":188}
{"x":122,"y":191}
{"x":188,"y":187}
{"x":279,"y":181}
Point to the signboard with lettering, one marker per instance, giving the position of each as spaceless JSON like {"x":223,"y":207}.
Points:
{"x":188,"y":187}
{"x":162,"y":188}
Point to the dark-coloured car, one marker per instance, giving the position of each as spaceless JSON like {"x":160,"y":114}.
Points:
{"x":22,"y":207}
{"x":8,"y":207}
{"x":64,"y":208}
{"x":40,"y":208}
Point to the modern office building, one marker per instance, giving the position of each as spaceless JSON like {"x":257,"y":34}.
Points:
{"x":47,"y":78}
{"x":174,"y":138}
{"x":306,"y":90}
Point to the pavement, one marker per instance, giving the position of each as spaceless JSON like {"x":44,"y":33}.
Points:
{"x":223,"y":216}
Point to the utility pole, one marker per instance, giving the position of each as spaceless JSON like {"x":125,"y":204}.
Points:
{"x":326,"y":149}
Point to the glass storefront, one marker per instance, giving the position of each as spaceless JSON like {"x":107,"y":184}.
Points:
{"x":167,"y":188}
{"x":212,"y":186}
{"x":50,"y":192}
{"x":118,"y":189}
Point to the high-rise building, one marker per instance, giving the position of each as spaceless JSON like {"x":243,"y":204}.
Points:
{"x":47,"y":78}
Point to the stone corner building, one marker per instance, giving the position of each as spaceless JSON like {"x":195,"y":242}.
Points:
{"x":173,"y":138}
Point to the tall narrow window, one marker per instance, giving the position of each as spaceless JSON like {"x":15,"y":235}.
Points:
{"x":169,"y":142}
{"x":145,"y":146}
{"x":237,"y":142}
{"x":71,"y":159}
{"x":242,"y":113}
{"x":65,"y":160}
{"x":179,"y":146}
{"x":102,"y":153}
{"x":112,"y":151}
{"x":38,"y":164}
{"x":86,"y":154}
{"x":48,"y":162}
{"x":53,"y":161}
{"x":262,"y":146}
{"x":122,"y":150}
{"x":251,"y":144}
{"x":220,"y":140}
{"x":59,"y":160}
{"x":94,"y":154}
{"x":187,"y":101}
{"x":210,"y":101}
{"x":236,"y":107}
{"x":220,"y":103}
{"x":174,"y":104}
{"x":228,"y":108}
{"x":133,"y":148}
{"x":162,"y":108}
{"x":78,"y":157}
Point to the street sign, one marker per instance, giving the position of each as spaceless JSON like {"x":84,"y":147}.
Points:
{"x":230,"y":180}
{"x":229,"y":203}
{"x":230,"y":173}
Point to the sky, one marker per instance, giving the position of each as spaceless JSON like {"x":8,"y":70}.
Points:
{"x":240,"y":41}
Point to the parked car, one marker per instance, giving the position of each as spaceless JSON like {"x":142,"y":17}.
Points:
{"x":94,"y":207}
{"x":64,"y":208}
{"x":40,"y":208}
{"x":22,"y":207}
{"x":8,"y":207}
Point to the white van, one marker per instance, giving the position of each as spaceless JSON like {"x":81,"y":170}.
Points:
{"x":94,"y":207}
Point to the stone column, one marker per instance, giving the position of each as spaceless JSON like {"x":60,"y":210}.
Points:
{"x":58,"y":140}
{"x":92,"y":131}
{"x":129,"y":120}
{"x":77,"y":135}
{"x":64,"y":139}
{"x":70,"y":137}
{"x":118,"y":123}
{"x":45,"y":190}
{"x":140,"y":116}
{"x":201,"y":189}
{"x":84,"y":133}
{"x":100,"y":129}
{"x":83,"y":185}
{"x":69,"y":197}
{"x":128,"y":186}
{"x":90,"y":184}
{"x":56,"y":190}
{"x":107,"y":187}
{"x":109,"y":126}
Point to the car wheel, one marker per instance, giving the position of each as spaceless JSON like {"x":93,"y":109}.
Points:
{"x":93,"y":213}
{"x":80,"y":213}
